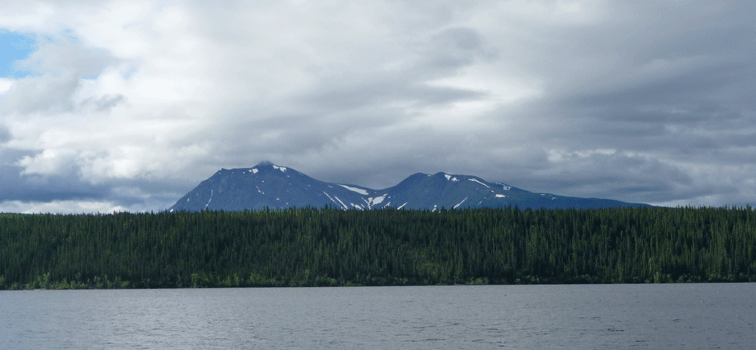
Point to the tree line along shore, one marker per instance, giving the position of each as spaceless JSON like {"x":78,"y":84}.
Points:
{"x":331,"y":247}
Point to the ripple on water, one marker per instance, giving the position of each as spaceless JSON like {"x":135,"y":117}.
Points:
{"x":470,"y":317}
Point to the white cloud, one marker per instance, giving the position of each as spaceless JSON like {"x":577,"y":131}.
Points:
{"x":49,"y":162}
{"x":162,"y":91}
{"x":60,"y":207}
{"x":5,"y":85}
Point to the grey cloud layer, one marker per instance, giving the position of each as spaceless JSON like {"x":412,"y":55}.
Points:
{"x":644,"y":102}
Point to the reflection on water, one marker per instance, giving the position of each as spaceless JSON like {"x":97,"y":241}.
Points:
{"x":680,"y":316}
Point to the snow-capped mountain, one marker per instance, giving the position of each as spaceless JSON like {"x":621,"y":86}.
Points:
{"x":271,"y":186}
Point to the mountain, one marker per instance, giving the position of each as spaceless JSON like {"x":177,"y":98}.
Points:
{"x":267,"y":185}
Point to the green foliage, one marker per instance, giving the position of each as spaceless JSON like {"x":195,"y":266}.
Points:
{"x":329,"y":247}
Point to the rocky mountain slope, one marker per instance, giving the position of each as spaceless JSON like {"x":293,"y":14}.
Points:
{"x":271,"y":186}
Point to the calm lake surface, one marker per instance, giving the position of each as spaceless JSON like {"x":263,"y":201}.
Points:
{"x":674,"y":316}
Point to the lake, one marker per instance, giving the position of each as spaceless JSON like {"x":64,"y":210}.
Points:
{"x":661,"y":316}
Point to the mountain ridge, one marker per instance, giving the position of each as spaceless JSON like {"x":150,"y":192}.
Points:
{"x":246,"y":189}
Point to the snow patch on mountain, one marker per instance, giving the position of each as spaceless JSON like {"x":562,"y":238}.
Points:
{"x":475,"y":180}
{"x":329,"y":197}
{"x":342,"y":203}
{"x":355,"y":189}
{"x":370,"y":202}
{"x":238,"y":189}
{"x":460,"y":203}
{"x":377,"y":200}
{"x":209,"y":200}
{"x":451,"y":178}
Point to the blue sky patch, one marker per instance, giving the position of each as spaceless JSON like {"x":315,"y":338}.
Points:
{"x":13,"y":47}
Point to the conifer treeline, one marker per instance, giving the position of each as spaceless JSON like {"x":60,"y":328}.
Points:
{"x":319,"y":247}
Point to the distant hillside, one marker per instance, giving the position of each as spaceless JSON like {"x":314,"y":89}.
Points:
{"x":268,"y":185}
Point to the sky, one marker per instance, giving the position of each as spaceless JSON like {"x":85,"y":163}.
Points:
{"x":127,"y":105}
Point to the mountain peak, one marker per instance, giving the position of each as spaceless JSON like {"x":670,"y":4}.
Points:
{"x":267,"y":185}
{"x":266,"y":166}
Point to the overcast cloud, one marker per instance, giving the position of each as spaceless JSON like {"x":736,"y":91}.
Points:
{"x":129,"y":105}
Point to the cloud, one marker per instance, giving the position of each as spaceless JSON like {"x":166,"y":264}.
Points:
{"x":5,"y":84}
{"x":5,"y":135}
{"x":62,"y":54}
{"x":129,"y":104}
{"x":22,"y":188}
{"x":60,"y":207}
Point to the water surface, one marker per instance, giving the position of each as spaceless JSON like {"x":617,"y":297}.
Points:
{"x":673,"y":316}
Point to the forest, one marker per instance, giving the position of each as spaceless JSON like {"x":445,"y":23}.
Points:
{"x":332,"y":247}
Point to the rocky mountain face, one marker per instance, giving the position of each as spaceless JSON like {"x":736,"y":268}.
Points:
{"x":271,"y":186}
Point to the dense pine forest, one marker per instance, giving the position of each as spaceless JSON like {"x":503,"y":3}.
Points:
{"x":330,"y":247}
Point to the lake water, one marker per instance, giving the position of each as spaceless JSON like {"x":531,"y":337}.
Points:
{"x":673,"y":316}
